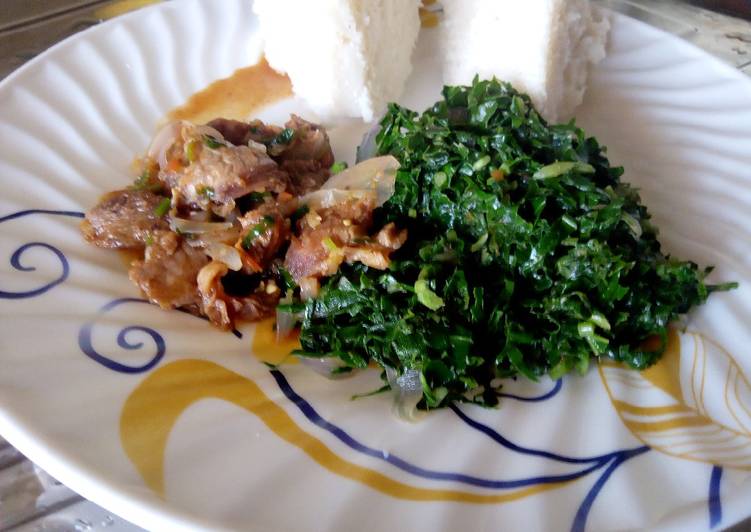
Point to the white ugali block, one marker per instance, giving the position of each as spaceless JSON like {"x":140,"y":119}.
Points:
{"x":542,"y":47}
{"x":346,"y":58}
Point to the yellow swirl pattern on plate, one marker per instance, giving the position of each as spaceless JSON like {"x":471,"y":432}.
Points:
{"x":152,"y":410}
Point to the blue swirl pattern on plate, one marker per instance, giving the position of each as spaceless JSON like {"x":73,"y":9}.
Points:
{"x":15,"y":259}
{"x":84,"y":341}
{"x":610,"y":461}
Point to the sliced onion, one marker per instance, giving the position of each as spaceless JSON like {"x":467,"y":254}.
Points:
{"x":407,"y":392}
{"x":256,"y":146}
{"x":225,"y":254}
{"x":199,"y":216}
{"x":377,"y":174}
{"x":163,"y":140}
{"x":367,"y":148}
{"x":374,"y":178}
{"x":285,"y":321}
{"x":191,"y":226}
{"x":324,"y":199}
{"x":285,"y":324}
{"x":208,"y":131}
{"x":309,"y":287}
{"x":325,"y":366}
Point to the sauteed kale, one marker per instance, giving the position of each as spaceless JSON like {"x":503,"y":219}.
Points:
{"x":527,"y":255}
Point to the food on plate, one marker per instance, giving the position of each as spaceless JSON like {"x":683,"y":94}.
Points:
{"x":346,"y":58}
{"x":542,"y":47}
{"x":226,"y":217}
{"x":471,"y":242}
{"x":526,"y":255}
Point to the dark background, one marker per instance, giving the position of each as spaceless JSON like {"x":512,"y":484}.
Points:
{"x":739,"y":8}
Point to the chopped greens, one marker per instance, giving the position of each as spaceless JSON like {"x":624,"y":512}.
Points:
{"x":205,"y":191}
{"x":213,"y":142}
{"x":163,"y":207}
{"x":285,"y":136}
{"x":191,"y":151}
{"x":148,"y":180}
{"x":527,"y":255}
{"x":338,"y":167}
{"x":266,"y":223}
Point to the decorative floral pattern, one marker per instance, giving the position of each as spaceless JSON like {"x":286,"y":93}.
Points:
{"x":675,"y":408}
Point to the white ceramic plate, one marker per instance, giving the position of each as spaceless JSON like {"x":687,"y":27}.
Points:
{"x":173,"y":424}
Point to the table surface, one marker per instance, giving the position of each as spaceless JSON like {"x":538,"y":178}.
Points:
{"x":31,"y":500}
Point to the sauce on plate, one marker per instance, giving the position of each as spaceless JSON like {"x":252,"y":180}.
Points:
{"x":235,"y":97}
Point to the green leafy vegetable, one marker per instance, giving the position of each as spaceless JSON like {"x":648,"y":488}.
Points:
{"x":148,"y":180}
{"x":266,"y":223}
{"x":191,"y":151}
{"x":285,"y":136}
{"x":163,"y":207}
{"x":527,"y":255}
{"x":338,"y":167}
{"x":205,"y":191}
{"x":213,"y":142}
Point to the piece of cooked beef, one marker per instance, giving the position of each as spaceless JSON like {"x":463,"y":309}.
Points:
{"x":233,"y":188}
{"x":305,"y":175}
{"x":310,"y":142}
{"x":265,"y":230}
{"x":339,"y":234}
{"x":240,"y":133}
{"x":302,"y":148}
{"x":210,"y":173}
{"x":167,"y":274}
{"x":223,"y":309}
{"x":233,"y":131}
{"x":123,"y":219}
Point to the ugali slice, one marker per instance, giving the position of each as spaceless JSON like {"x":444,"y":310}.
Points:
{"x":542,"y":47}
{"x":346,"y":58}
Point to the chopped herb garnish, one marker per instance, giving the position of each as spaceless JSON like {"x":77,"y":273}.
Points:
{"x":285,"y":136}
{"x":147,"y":181}
{"x":252,"y":200}
{"x":191,"y":150}
{"x":163,"y":207}
{"x":213,"y":142}
{"x":330,"y":244}
{"x":338,"y":167}
{"x":266,"y":223}
{"x":301,"y":211}
{"x":206,"y":192}
{"x":285,"y":280}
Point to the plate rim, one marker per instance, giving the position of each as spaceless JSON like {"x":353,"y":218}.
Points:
{"x":127,"y":502}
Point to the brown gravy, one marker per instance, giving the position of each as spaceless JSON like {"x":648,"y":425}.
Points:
{"x":237,"y":96}
{"x":128,"y":256}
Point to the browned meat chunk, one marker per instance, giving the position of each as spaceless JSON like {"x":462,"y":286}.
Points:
{"x":232,"y":188}
{"x":209,"y":173}
{"x":305,"y":153}
{"x":263,"y":133}
{"x":265,"y":230}
{"x":167,"y":274}
{"x":233,"y":131}
{"x":225,"y":173}
{"x":336,"y":235}
{"x":305,"y":176}
{"x":123,"y":219}
{"x":223,"y":309}
{"x":310,"y":142}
